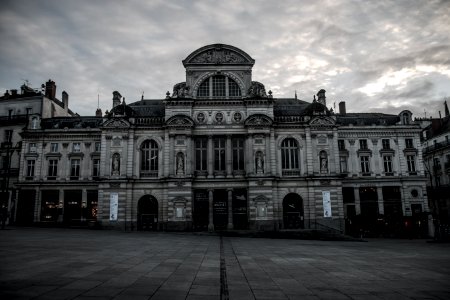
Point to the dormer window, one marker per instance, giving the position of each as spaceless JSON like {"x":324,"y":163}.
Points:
{"x":218,"y":86}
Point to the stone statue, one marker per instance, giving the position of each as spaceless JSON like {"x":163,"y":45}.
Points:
{"x":324,"y":164}
{"x":259,"y":163}
{"x":116,"y":164}
{"x":180,"y":163}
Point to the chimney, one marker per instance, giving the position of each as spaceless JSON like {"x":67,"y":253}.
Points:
{"x":50,"y":89}
{"x":65,"y":100}
{"x":342,"y":109}
{"x":116,"y":98}
{"x":447,"y":113}
{"x":14,"y":93}
{"x":98,"y":112}
{"x":321,"y":97}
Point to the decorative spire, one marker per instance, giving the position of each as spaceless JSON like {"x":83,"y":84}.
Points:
{"x":314,"y":98}
{"x":447,"y":113}
{"x":295,"y":95}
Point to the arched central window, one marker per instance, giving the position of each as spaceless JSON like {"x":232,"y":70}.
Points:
{"x":218,"y":86}
{"x":149,"y":158}
{"x":289,"y":157}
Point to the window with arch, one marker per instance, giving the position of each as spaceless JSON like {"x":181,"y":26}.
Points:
{"x":218,"y":86}
{"x":289,"y":157}
{"x":149,"y":158}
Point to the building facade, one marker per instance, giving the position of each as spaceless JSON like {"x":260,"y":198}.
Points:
{"x":18,"y":110}
{"x":436,"y":156}
{"x":220,"y":152}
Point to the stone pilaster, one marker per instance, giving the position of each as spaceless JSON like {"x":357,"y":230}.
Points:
{"x":230,"y":209}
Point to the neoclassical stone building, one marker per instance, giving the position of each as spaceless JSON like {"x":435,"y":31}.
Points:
{"x":222,"y":152}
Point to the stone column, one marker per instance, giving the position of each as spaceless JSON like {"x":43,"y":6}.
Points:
{"x":210,"y":157}
{"x":380,"y":200}
{"x":228,"y":157}
{"x":171,"y":156}
{"x":273,"y":153}
{"x":211,"y":207}
{"x":188,"y":156}
{"x":336,"y":166}
{"x":83,"y":202}
{"x":267,"y":156}
{"x":166,"y":153}
{"x":357,"y":200}
{"x":249,"y":157}
{"x":309,"y":157}
{"x":230,"y":209}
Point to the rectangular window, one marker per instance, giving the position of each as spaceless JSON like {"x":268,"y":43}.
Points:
{"x":219,"y":154}
{"x":53,"y":168}
{"x":341,"y":144}
{"x":411,"y":162}
{"x":10,"y":113}
{"x":30,"y":168}
{"x":96,"y":167}
{"x":343,"y":164}
{"x":8,"y":136}
{"x":365,"y":166}
{"x":386,"y":144}
{"x":200,"y":154}
{"x":5,"y":162}
{"x":76,"y":147}
{"x":238,"y":154}
{"x":32,"y":147}
{"x":98,"y":147}
{"x":54,"y":147}
{"x":75,"y":168}
{"x":387,"y":162}
{"x":409,"y":143}
{"x":363,"y":144}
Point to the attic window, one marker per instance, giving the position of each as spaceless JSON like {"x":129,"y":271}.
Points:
{"x":218,"y":86}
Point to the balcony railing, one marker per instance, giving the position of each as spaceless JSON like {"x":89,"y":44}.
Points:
{"x":436,"y":146}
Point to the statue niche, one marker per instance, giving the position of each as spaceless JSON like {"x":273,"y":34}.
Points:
{"x":180,"y":163}
{"x":115,"y":165}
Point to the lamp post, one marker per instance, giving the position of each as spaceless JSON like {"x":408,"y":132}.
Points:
{"x":6,"y":199}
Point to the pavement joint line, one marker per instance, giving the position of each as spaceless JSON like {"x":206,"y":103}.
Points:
{"x":199,"y":267}
{"x":223,"y":273}
{"x":240,"y":267}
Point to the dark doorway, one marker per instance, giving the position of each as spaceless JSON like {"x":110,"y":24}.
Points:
{"x":147,"y":213}
{"x":25,"y":207}
{"x":200,"y":210}
{"x":393,"y":213}
{"x":90,"y":211}
{"x":419,"y":221}
{"x":72,"y":207}
{"x":220,"y":209}
{"x":369,"y":210}
{"x":50,"y":206}
{"x":293,"y":212}
{"x":240,"y":219}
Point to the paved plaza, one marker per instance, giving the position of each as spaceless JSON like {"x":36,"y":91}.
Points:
{"x":38,"y":263}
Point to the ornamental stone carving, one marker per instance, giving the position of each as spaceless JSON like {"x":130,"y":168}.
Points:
{"x":257,"y":89}
{"x":218,"y":56}
{"x":181,"y":90}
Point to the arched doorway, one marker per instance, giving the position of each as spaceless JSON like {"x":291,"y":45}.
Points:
{"x":293,"y":211}
{"x":147,"y":213}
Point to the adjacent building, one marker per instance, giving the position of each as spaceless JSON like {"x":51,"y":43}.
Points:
{"x":19,"y":109}
{"x":221,"y":152}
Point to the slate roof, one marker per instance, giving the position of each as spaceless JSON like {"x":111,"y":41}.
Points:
{"x":148,"y":108}
{"x":289,"y":107}
{"x":71,"y":122}
{"x":363,"y":119}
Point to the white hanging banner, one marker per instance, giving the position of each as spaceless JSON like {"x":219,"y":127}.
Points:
{"x":326,"y":204}
{"x":113,"y":206}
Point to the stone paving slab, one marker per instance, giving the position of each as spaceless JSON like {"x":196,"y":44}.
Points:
{"x":55,"y":263}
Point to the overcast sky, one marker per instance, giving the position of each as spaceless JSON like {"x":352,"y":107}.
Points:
{"x":382,"y":56}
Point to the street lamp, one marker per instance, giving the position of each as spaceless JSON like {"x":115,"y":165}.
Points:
{"x":6,"y":199}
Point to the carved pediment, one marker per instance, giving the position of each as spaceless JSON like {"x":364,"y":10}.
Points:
{"x":218,"y":54}
{"x":322,"y":122}
{"x":258,"y":120}
{"x":180,"y":121}
{"x":116,"y":123}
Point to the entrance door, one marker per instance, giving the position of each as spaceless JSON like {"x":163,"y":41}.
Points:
{"x":72,"y":207}
{"x":25,"y":207}
{"x":240,"y":219}
{"x":220,"y":209}
{"x":200,"y":210}
{"x":293,"y":211}
{"x":147,"y":213}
